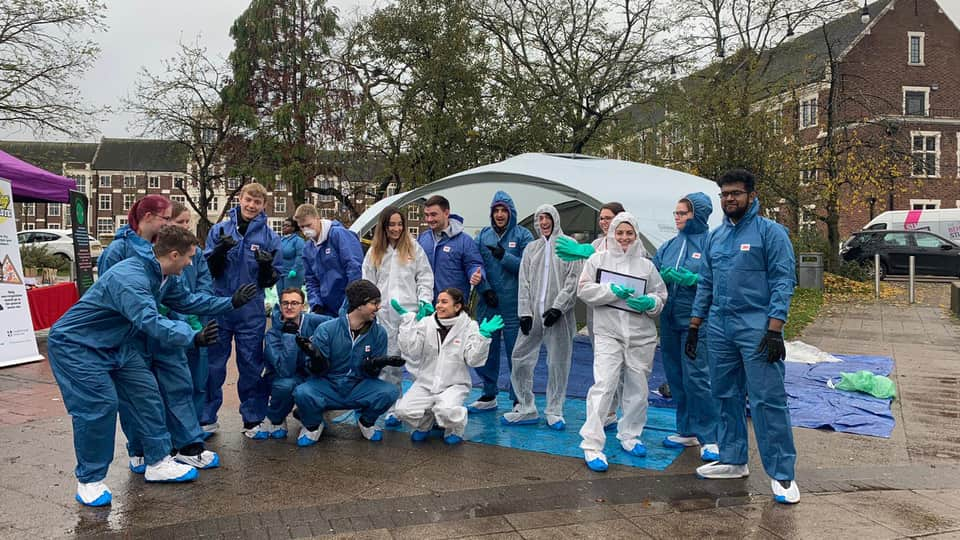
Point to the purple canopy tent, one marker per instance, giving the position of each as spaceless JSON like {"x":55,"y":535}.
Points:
{"x":33,"y":184}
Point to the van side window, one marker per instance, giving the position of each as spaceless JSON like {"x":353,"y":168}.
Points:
{"x":895,"y":239}
{"x":876,"y":226}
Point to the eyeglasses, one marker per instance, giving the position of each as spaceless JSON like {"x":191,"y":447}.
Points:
{"x":680,"y":214}
{"x":732,"y":194}
{"x":291,"y":304}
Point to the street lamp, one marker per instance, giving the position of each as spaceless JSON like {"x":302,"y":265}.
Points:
{"x":871,"y":201}
{"x":865,"y":13}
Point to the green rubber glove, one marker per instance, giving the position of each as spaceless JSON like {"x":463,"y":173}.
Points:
{"x":292,"y":274}
{"x":489,"y":326}
{"x":397,"y":307}
{"x":622,"y":291}
{"x":642,"y":303}
{"x":425,"y":310}
{"x":194,"y":323}
{"x":686,"y":277}
{"x":163,"y":310}
{"x":570,"y":251}
{"x":668,"y":275}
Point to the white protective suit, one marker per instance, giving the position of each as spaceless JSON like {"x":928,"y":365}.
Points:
{"x":546,"y":282}
{"x":408,"y":282}
{"x":441,"y":371}
{"x":623,"y":339}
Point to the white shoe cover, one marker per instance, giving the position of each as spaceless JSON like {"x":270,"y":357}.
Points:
{"x":168,"y":470}
{"x":93,"y":494}
{"x":717,"y":470}
{"x":783,"y":495}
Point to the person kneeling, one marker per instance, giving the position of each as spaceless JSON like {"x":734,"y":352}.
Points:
{"x":440,"y":349}
{"x":345,"y":356}
{"x":285,"y":358}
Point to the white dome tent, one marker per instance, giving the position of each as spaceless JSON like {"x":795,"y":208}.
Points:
{"x":649,"y":192}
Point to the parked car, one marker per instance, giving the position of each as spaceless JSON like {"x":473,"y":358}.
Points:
{"x":58,"y":242}
{"x":934,"y":254}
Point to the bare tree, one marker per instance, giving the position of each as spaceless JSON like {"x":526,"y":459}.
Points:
{"x":41,"y":55}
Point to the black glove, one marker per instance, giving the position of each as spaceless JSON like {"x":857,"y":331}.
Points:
{"x":217,"y":261}
{"x":317,"y":363}
{"x":317,"y":308}
{"x":266,"y":275}
{"x":208,"y":335}
{"x":693,"y":336}
{"x":496,"y":251}
{"x":263,"y":257}
{"x":490,"y":297}
{"x":773,"y":344}
{"x":372,"y":366}
{"x":243,"y":295}
{"x":551,"y":317}
{"x":225,"y":241}
{"x":526,"y":323}
{"x":290,"y":327}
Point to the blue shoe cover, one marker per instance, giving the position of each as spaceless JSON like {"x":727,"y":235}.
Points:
{"x":528,"y":422}
{"x":597,"y":465}
{"x":138,"y":470}
{"x":419,"y":436}
{"x":260,"y":436}
{"x":559,"y":425}
{"x":279,"y":434}
{"x":303,"y":441}
{"x":103,"y":500}
{"x":639,"y":450}
{"x":215,"y":463}
{"x":709,"y":456}
{"x":186,"y":477}
{"x":453,"y":439}
{"x":392,"y":421}
{"x":377,"y":436}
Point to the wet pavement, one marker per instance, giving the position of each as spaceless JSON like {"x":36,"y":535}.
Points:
{"x":907,"y":485}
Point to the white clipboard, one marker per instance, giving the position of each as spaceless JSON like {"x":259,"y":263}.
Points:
{"x":606,"y":277}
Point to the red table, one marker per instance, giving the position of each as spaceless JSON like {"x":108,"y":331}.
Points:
{"x":47,"y":304}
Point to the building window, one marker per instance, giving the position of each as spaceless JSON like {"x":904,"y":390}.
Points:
{"x":280,"y":205}
{"x":808,"y":112}
{"x":233,"y":183}
{"x":55,"y":226}
{"x":129,"y":181}
{"x":924,"y":204}
{"x":808,"y":217}
{"x":81,"y":181}
{"x":29,"y":209}
{"x":213,"y":203}
{"x":104,"y":226}
{"x":413,"y":213}
{"x":104,"y":180}
{"x":280,"y":185}
{"x":182,"y":199}
{"x":391,"y":189}
{"x":326,"y":184}
{"x":153,"y":182}
{"x":178,"y":182}
{"x":414,"y":231}
{"x":105,"y":202}
{"x":916,"y":101}
{"x":328,"y":212}
{"x":127,"y":202}
{"x":53,"y":210}
{"x":926,"y":153}
{"x":915,"y":48}
{"x":121,"y":221}
{"x":276,"y":225}
{"x":28,"y":227}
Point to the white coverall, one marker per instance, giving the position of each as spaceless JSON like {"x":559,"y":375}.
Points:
{"x":623,"y":340}
{"x":408,"y":282}
{"x":546,"y":282}
{"x":441,"y":371}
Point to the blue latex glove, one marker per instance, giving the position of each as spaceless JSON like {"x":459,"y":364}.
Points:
{"x":292,"y":274}
{"x":570,"y":251}
{"x":425,"y":310}
{"x":622,"y":291}
{"x":397,"y":307}
{"x":642,"y":303}
{"x":668,"y":275}
{"x":489,"y":326}
{"x":686,"y":277}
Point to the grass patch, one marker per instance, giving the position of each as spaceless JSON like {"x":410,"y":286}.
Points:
{"x":803,"y":310}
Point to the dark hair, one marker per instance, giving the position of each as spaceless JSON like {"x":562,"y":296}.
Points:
{"x":178,"y":208}
{"x":151,"y":204}
{"x":687,"y":202}
{"x":292,"y":290}
{"x":738,"y":175}
{"x":173,"y":238}
{"x":437,"y":200}
{"x":612,"y":206}
{"x":293,"y":223}
{"x":457,"y":296}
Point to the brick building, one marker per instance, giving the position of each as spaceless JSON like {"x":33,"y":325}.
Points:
{"x":114,"y":173}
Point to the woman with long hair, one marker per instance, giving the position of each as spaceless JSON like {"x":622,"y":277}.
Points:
{"x":144,"y":220}
{"x":399,"y":267}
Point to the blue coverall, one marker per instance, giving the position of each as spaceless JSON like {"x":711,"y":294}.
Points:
{"x":454,"y":258}
{"x":330,"y":266}
{"x":748,"y":279}
{"x":291,"y":246}
{"x":287,"y":362}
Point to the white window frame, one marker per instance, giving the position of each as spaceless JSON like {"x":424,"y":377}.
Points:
{"x":179,"y":183}
{"x":280,"y":205}
{"x":129,"y":181}
{"x":81,"y":181}
{"x":54,"y":226}
{"x":182,"y":199}
{"x":105,"y":197}
{"x":121,"y":221}
{"x":280,"y":185}
{"x":213,"y":203}
{"x":805,"y":106}
{"x":276,"y":225}
{"x":128,"y":201}
{"x":925,"y":204}
{"x":105,"y":226}
{"x":936,"y":135}
{"x":910,"y":36}
{"x":107,"y":177}
{"x":29,"y":227}
{"x":54,"y":210}
{"x":153,"y":182}
{"x":925,"y":90}
{"x":29,"y":209}
{"x":413,"y":212}
{"x":414,"y":231}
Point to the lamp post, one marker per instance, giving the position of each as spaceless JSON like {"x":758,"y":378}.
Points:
{"x":871,"y":201}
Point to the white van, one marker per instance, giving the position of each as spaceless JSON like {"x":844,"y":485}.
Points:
{"x":945,"y":222}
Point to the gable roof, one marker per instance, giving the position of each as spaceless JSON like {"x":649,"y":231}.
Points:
{"x":140,"y":155}
{"x":50,"y":156}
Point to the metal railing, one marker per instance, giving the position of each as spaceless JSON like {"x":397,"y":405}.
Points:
{"x":911,"y":278}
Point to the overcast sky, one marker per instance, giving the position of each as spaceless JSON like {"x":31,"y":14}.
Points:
{"x":143,"y":33}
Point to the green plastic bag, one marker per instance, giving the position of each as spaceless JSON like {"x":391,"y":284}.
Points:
{"x":868,"y":382}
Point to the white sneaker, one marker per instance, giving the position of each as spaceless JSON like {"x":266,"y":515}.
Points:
{"x":276,"y":431}
{"x":482,"y":406}
{"x":307,"y":437}
{"x":372,"y":433}
{"x":137,"y":464}
{"x":788,"y":495}
{"x":679,"y":441}
{"x":93,"y":494}
{"x":258,"y":432}
{"x":206,"y":459}
{"x":710,"y":452}
{"x":717,"y":470}
{"x":168,"y":470}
